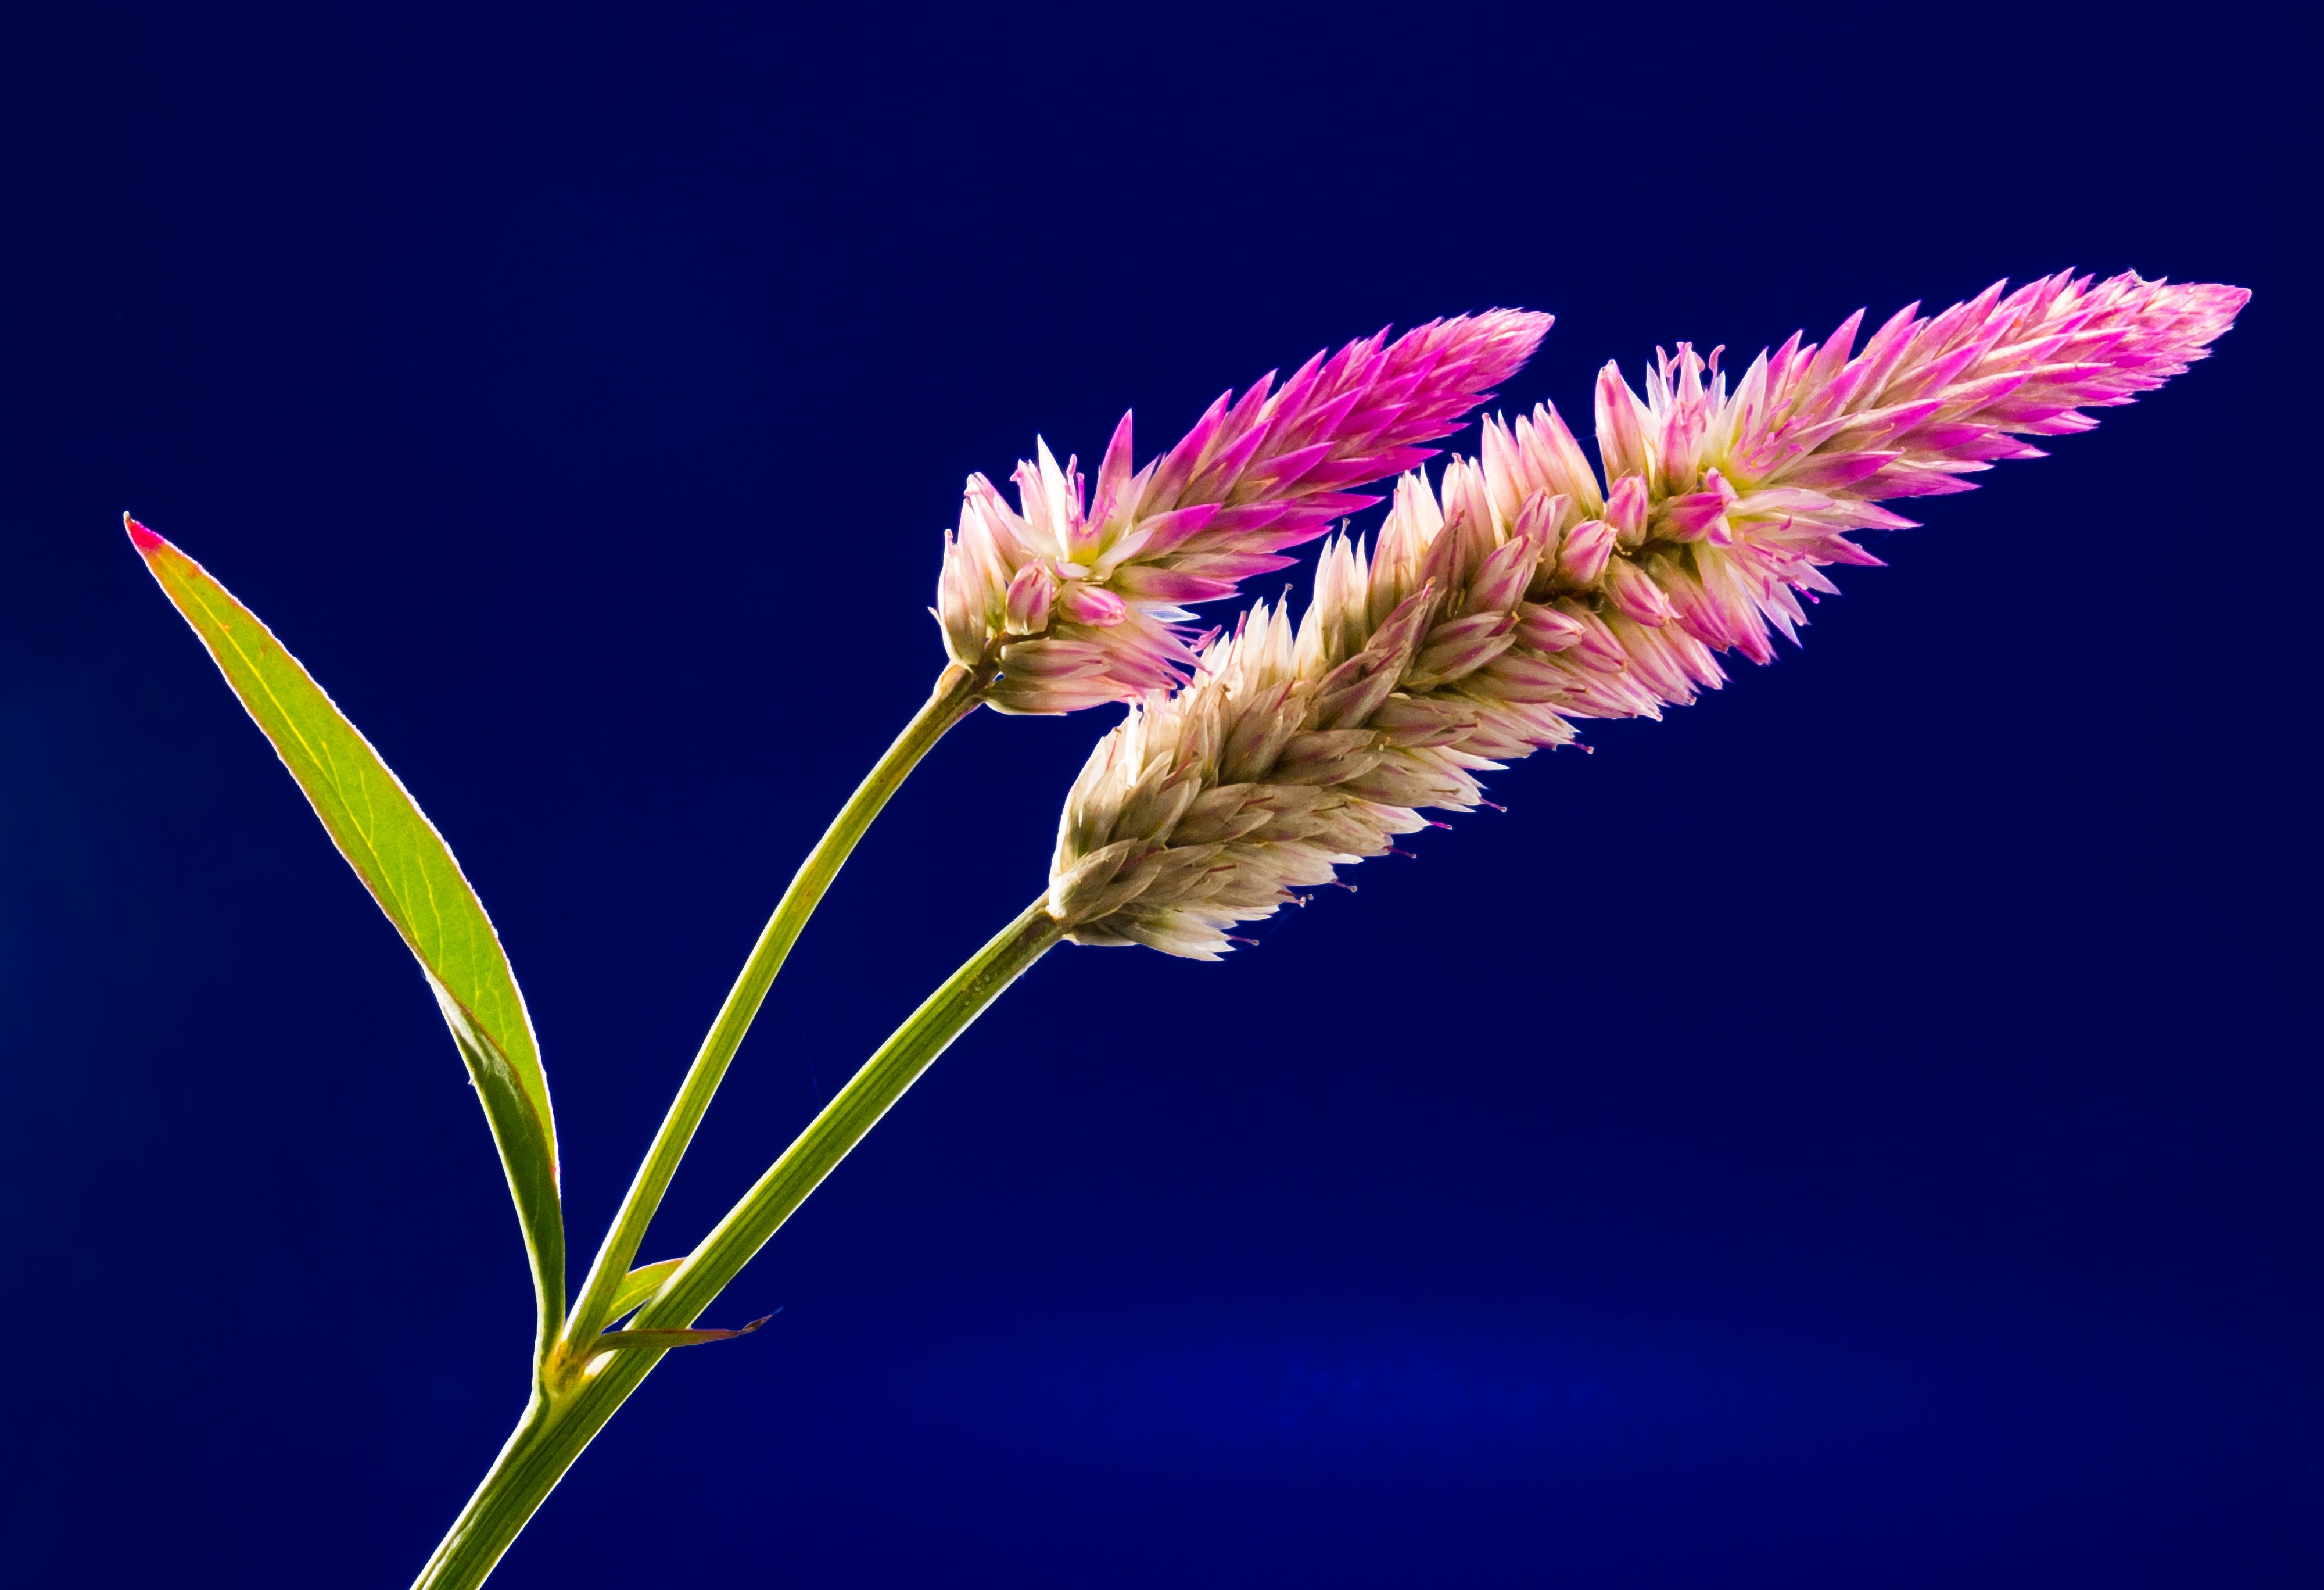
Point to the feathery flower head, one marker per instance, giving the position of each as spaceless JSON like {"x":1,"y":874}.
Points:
{"x":1519,"y":595}
{"x":1080,"y":600}
{"x":1731,"y":502}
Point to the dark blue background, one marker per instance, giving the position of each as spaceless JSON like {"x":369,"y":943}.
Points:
{"x":1862,"y":1131}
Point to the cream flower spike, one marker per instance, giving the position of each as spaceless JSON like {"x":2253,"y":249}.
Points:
{"x":1519,"y":596}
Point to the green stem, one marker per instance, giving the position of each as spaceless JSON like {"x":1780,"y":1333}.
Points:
{"x":813,"y":1155}
{"x":955,"y":698}
{"x":556,"y":1429}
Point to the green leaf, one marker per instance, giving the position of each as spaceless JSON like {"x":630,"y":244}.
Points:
{"x":639,"y":1285}
{"x":410,"y":871}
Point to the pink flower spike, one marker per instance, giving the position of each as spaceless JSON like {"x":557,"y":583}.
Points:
{"x":1256,"y":475}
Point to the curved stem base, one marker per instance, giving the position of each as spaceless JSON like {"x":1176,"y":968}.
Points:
{"x":557,"y":1428}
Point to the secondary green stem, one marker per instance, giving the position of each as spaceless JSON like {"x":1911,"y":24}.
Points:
{"x":955,"y":698}
{"x":910,"y":1051}
{"x":557,"y":1428}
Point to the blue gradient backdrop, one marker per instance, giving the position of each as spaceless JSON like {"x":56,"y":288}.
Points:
{"x":1863,"y":1130}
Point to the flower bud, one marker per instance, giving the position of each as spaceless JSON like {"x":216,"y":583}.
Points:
{"x":1029,"y":594}
{"x":1626,"y":510}
{"x":1461,"y":647}
{"x":1546,"y":629}
{"x":1505,"y":575}
{"x":1220,"y":814}
{"x":1082,"y":603}
{"x":1597,"y":650}
{"x":1075,"y":888}
{"x":1325,"y":756}
{"x":1621,"y":441}
{"x":1583,"y":559}
{"x":1413,"y":721}
{"x":1557,"y":459}
{"x":1634,"y":592}
{"x":1690,"y":518}
{"x":1514,"y":676}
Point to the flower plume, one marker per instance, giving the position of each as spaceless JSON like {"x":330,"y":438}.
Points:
{"x":1077,"y":600}
{"x":1521,"y":595}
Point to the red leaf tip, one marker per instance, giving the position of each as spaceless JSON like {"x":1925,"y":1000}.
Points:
{"x":143,"y":539}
